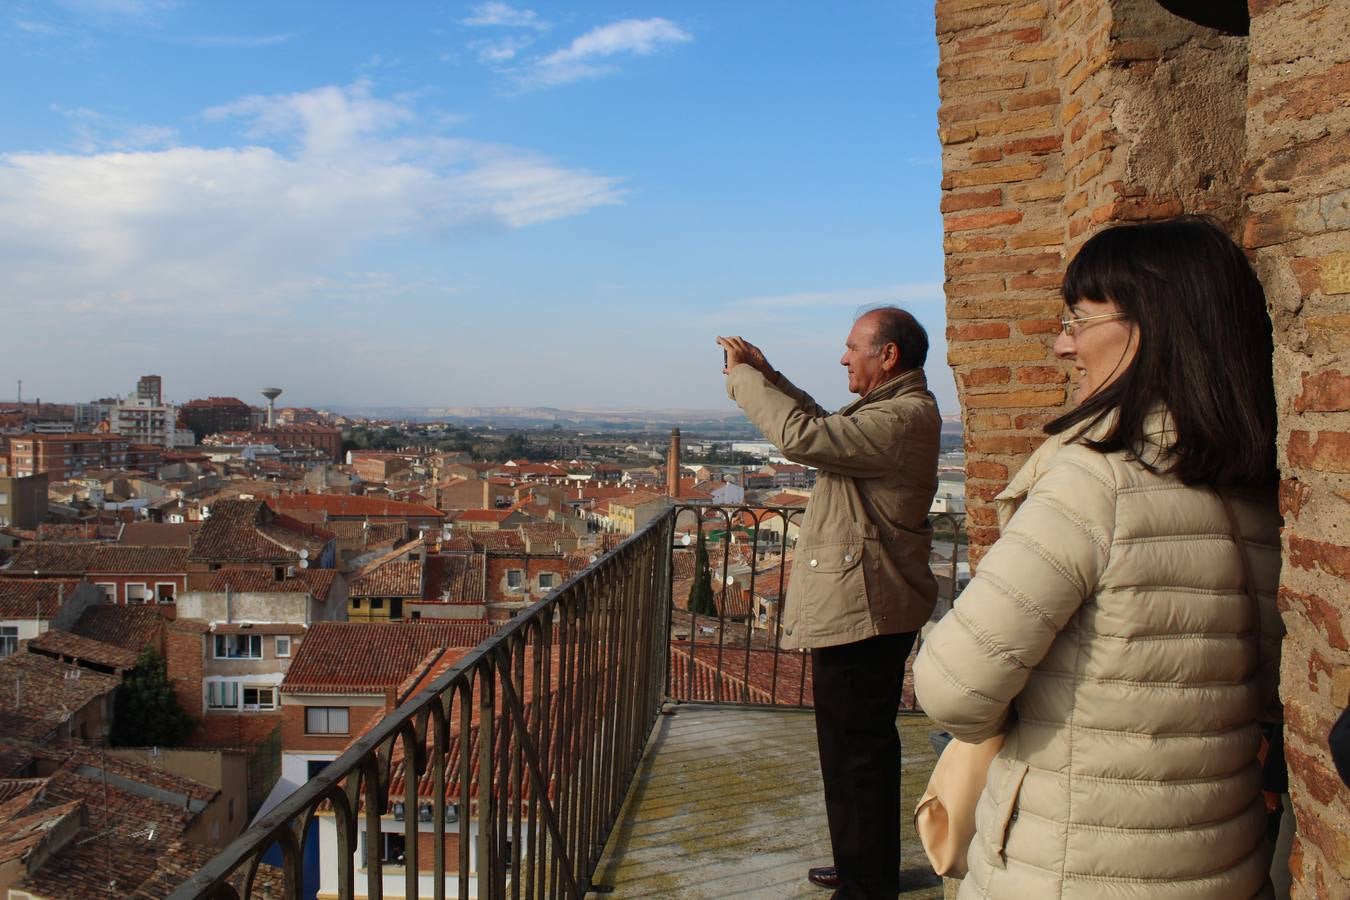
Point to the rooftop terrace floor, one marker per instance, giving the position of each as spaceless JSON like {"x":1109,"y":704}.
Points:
{"x":727,"y":803}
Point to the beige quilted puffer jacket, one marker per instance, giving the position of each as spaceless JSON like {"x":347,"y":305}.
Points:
{"x":1109,"y":632}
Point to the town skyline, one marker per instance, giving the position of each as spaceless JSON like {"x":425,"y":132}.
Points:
{"x":484,"y":204}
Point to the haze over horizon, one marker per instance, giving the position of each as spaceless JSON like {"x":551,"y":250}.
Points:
{"x":481,"y":204}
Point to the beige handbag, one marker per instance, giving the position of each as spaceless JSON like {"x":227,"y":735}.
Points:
{"x":945,"y":816}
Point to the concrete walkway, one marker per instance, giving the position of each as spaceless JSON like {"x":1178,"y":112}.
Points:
{"x":727,"y":803}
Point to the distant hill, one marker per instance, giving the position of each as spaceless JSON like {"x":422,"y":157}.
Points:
{"x":536,"y":416}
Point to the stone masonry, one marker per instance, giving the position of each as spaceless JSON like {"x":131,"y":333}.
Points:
{"x":1058,"y":117}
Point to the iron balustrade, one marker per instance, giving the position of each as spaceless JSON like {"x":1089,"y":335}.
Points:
{"x":734,"y":655}
{"x":520,"y":754}
{"x":517,"y":759}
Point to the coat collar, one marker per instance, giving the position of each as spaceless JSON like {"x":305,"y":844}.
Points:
{"x":912,"y":381}
{"x":1159,"y":436}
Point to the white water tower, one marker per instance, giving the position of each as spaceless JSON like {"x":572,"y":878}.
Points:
{"x":271,"y":393}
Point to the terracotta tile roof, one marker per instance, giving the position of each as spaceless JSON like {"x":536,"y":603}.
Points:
{"x":73,"y":647}
{"x":20,"y":834}
{"x":46,"y":696}
{"x":498,"y":541}
{"x":787,"y":498}
{"x":318,"y":582}
{"x":481,"y":515}
{"x":129,"y":627}
{"x":455,"y":578}
{"x":158,"y":534}
{"x":78,"y":559}
{"x":26,"y":598}
{"x":358,"y":531}
{"x":83,"y":531}
{"x":705,"y":672}
{"x":246,"y":530}
{"x":636,"y":499}
{"x":351,"y":506}
{"x":115,"y":852}
{"x":398,"y":578}
{"x":372,"y":657}
{"x":14,"y":758}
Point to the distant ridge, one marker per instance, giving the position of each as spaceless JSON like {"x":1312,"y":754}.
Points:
{"x":544,"y":415}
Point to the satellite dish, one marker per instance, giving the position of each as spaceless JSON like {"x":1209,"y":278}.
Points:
{"x":731,"y":579}
{"x":304,"y":563}
{"x":304,"y":553}
{"x":686,"y":540}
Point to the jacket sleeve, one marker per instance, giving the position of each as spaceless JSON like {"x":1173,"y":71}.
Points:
{"x":1030,"y":584}
{"x":863,"y":444}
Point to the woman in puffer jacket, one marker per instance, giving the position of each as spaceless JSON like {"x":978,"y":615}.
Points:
{"x":1110,"y":632}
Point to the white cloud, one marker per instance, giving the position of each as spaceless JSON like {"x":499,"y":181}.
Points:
{"x":122,"y":9}
{"x":505,"y":50}
{"x":583,"y":57}
{"x":856,"y":298}
{"x":240,"y":41}
{"x":95,"y":131}
{"x":496,"y":14}
{"x":194,"y":231}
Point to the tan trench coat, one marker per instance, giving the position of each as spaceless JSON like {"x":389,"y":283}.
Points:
{"x":1110,"y":627}
{"x":860,"y":568}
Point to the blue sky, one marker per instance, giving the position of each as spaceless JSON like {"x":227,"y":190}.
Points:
{"x":455,"y":204}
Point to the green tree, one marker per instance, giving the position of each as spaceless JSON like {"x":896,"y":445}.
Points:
{"x":701,"y":595}
{"x":145,"y":708}
{"x":514,"y":447}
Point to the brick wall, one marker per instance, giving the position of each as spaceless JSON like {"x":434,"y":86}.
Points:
{"x":183,"y":662}
{"x":1298,"y":235}
{"x":1002,"y":205}
{"x":1059,"y":117}
{"x":1056,"y":119}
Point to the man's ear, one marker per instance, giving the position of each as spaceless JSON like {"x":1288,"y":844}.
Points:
{"x":890,"y":357}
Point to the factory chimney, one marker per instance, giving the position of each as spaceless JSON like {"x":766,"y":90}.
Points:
{"x":673,"y":464}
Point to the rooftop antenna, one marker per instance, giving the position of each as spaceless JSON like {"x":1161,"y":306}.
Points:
{"x":271,"y":393}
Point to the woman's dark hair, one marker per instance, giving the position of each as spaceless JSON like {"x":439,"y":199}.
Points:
{"x":1205,"y":348}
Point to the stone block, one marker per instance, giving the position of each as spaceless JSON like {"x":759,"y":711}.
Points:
{"x":981,"y":220}
{"x":1325,"y":451}
{"x":1327,"y":391}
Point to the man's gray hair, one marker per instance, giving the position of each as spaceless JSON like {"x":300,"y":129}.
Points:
{"x":897,"y":326}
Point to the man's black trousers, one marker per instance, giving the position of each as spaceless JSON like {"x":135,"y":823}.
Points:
{"x":857,"y":696}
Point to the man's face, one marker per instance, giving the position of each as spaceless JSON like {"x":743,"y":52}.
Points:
{"x":865,"y":365}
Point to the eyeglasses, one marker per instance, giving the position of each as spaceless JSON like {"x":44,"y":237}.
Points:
{"x":1068,"y":325}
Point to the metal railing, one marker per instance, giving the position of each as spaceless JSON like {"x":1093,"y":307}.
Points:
{"x":507,"y":771}
{"x":732,"y":653}
{"x":504,"y":776}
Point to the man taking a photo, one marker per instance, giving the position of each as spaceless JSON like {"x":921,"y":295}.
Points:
{"x":861,"y":587}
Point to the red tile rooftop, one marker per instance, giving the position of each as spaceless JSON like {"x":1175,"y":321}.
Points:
{"x":28,"y":598}
{"x":79,"y":559}
{"x":130,"y":627}
{"x":318,"y":582}
{"x":247,"y":530}
{"x":397,"y":578}
{"x":481,"y":515}
{"x":372,"y":657}
{"x":455,"y":578}
{"x":351,"y":506}
{"x":47,"y":696}
{"x":70,"y":647}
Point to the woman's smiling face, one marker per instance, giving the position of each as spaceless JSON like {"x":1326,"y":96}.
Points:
{"x":1101,"y":342}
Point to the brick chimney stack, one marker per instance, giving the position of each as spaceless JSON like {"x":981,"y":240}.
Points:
{"x":673,"y":464}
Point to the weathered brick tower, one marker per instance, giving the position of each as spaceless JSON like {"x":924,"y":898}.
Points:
{"x":1060,"y":116}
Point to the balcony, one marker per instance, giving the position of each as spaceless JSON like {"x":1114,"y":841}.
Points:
{"x":605,"y":740}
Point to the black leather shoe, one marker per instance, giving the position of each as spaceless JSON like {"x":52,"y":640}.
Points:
{"x":825,"y":876}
